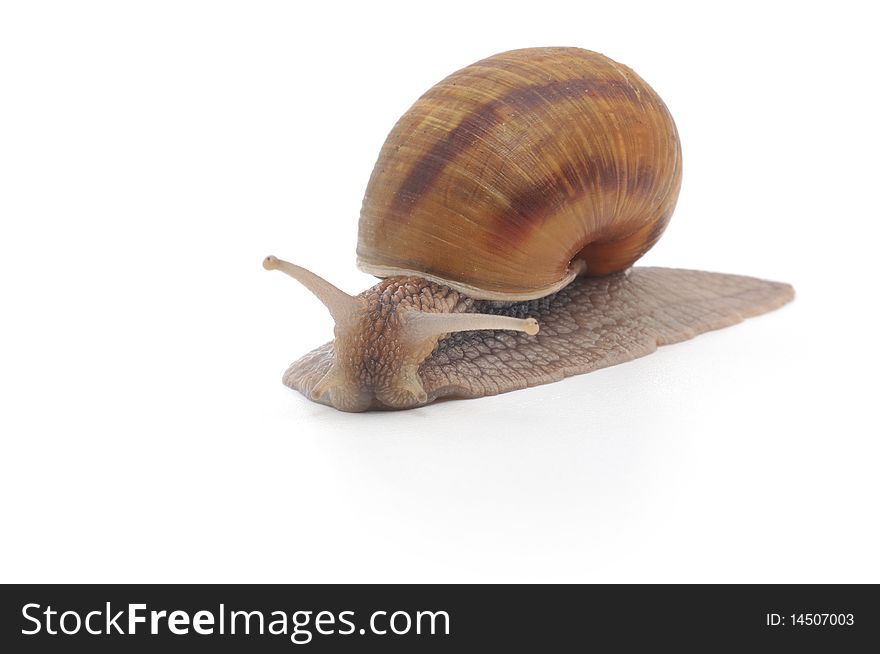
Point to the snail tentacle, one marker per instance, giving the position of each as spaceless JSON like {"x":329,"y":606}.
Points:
{"x":343,"y":307}
{"x":425,"y":325}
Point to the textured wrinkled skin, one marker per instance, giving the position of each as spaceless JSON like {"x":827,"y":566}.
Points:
{"x":591,"y":324}
{"x":377,"y":362}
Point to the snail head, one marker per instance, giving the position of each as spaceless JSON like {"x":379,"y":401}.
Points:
{"x":381,"y":338}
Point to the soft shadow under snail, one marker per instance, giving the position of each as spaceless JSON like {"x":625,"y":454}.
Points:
{"x":504,"y":213}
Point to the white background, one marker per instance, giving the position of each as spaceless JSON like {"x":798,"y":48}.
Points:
{"x":151,"y":154}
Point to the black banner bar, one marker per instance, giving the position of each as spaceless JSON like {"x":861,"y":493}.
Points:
{"x":434,"y":618}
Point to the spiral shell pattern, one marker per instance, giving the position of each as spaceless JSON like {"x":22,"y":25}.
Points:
{"x":513,"y":174}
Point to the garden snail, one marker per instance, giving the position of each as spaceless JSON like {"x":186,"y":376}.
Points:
{"x":515,"y":195}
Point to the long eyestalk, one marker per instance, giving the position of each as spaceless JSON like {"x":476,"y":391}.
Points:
{"x":425,"y":325}
{"x":341,"y":305}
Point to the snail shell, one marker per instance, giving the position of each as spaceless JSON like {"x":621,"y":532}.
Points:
{"x":511,"y":175}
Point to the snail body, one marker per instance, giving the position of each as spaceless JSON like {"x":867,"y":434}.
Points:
{"x":516,"y":193}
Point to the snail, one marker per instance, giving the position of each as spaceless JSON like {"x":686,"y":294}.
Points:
{"x":504,"y":215}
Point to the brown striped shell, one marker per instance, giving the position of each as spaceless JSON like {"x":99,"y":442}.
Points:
{"x":510,"y":175}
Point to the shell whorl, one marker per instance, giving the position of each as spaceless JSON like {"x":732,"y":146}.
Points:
{"x":507,"y":171}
